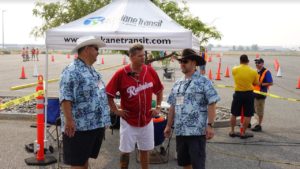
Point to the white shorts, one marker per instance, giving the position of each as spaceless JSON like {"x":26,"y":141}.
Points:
{"x":130,"y":135}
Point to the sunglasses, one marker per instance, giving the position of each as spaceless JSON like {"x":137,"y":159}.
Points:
{"x":257,"y":63}
{"x":183,"y":61}
{"x":95,"y":47}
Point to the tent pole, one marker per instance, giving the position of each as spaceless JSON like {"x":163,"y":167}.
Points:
{"x":46,"y":91}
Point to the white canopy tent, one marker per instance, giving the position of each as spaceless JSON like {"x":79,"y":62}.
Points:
{"x":119,"y":24}
{"x":123,"y":22}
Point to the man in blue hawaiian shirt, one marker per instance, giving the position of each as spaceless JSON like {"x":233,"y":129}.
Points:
{"x":84,"y":105}
{"x":193,"y":107}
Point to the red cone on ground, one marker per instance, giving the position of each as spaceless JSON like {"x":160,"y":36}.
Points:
{"x":210,"y":76}
{"x":23,"y":75}
{"x":257,"y":56}
{"x":102,"y":61}
{"x":52,"y":58}
{"x":219,"y":71}
{"x":298,"y":86}
{"x":227,"y":74}
{"x":218,"y":76}
{"x":276,"y":65}
{"x":68,"y":56}
{"x":75,"y":56}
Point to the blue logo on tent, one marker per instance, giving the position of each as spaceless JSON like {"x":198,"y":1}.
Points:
{"x":94,"y":20}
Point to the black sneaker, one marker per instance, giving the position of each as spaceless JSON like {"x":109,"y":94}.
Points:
{"x":257,"y":128}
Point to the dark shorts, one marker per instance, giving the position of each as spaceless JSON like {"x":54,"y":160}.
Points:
{"x":84,"y":145}
{"x":245,"y":100}
{"x":191,"y":151}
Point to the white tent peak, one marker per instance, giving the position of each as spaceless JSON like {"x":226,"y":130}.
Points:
{"x":123,"y":22}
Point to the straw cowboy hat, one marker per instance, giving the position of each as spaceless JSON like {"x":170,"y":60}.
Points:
{"x":86,"y":41}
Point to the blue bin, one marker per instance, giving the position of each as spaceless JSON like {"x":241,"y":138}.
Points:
{"x":53,"y":110}
{"x":159,"y":127}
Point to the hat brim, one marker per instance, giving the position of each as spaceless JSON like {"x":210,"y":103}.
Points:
{"x":199,"y":61}
{"x":97,"y":42}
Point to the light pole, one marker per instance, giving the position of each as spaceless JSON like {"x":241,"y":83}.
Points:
{"x":3,"y":28}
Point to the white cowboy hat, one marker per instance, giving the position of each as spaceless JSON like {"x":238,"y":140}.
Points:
{"x":86,"y":41}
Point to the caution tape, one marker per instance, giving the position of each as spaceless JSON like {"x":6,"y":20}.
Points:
{"x":54,"y":80}
{"x":20,"y":100}
{"x":263,"y":93}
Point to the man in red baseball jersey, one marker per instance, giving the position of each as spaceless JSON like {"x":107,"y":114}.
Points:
{"x":136,"y":83}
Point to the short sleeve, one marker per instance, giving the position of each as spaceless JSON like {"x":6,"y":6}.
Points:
{"x":113,"y":85}
{"x":67,"y":86}
{"x":210,"y":92}
{"x":268,"y":78}
{"x":172,"y":98}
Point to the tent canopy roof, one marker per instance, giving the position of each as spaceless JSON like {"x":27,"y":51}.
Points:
{"x":123,"y":22}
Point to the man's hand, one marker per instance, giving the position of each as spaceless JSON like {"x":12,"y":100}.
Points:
{"x":155,"y":112}
{"x":70,"y":127}
{"x":209,"y":132}
{"x":121,"y":113}
{"x":167,"y":132}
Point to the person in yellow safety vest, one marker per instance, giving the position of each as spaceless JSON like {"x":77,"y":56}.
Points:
{"x":265,"y":79}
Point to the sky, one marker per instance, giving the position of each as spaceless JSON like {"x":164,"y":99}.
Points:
{"x":241,"y":22}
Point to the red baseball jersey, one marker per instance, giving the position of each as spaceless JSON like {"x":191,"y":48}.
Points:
{"x":136,"y":94}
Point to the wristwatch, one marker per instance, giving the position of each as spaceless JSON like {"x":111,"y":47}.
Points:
{"x":210,"y":124}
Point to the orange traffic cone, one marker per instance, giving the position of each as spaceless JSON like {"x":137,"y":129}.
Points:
{"x":257,"y":56}
{"x":210,"y":76}
{"x":23,"y":76}
{"x":219,"y":71}
{"x":102,"y":61}
{"x":52,"y":58}
{"x":276,"y":65}
{"x":227,"y":72}
{"x":298,"y":87}
{"x":75,"y":56}
{"x":218,"y":76}
{"x":68,"y":56}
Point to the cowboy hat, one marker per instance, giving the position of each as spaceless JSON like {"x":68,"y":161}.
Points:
{"x":86,"y":41}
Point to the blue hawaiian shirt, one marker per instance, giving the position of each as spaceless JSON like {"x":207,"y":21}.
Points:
{"x":190,"y":99}
{"x":83,"y":86}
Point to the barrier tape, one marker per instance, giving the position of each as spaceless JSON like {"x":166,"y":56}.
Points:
{"x":32,"y":96}
{"x":20,"y":100}
{"x":53,"y":80}
{"x":263,"y":93}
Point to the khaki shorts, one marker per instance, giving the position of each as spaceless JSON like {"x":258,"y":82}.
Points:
{"x":259,"y":105}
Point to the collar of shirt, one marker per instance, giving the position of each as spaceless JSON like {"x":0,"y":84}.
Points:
{"x":81,"y":63}
{"x":194,"y":76}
